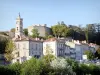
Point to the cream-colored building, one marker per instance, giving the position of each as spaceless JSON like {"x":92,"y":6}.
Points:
{"x":56,"y":46}
{"x":26,"y":47}
{"x":77,"y":48}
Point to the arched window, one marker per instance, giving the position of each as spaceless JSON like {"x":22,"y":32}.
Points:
{"x":18,"y":36}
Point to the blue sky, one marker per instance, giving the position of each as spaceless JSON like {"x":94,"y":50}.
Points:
{"x":48,"y":12}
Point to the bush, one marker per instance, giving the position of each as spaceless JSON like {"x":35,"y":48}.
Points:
{"x":95,"y":70}
{"x":4,"y":70}
{"x":16,"y":67}
{"x":74,"y":64}
{"x":57,"y":66}
{"x":32,"y":67}
{"x":61,"y":67}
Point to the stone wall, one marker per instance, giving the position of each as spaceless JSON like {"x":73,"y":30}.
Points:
{"x":42,"y":29}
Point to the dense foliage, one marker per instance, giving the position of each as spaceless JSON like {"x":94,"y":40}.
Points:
{"x":58,"y":66}
{"x":10,"y":47}
{"x":35,"y":33}
{"x":3,"y":41}
{"x":89,"y":54}
{"x":25,"y":31}
{"x":90,"y":32}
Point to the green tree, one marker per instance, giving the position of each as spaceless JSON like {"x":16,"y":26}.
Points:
{"x":5,"y":70}
{"x":98,"y":50}
{"x":35,"y":33}
{"x":10,"y":47}
{"x":97,"y":53}
{"x":25,"y":31}
{"x":84,"y":69}
{"x":16,"y":67}
{"x":86,"y":34}
{"x":62,"y":23}
{"x":12,"y":30}
{"x":89,"y":54}
{"x":59,"y":30}
{"x":70,"y":32}
{"x":50,"y":36}
{"x":47,"y":36}
{"x":49,"y":56}
{"x":32,"y":67}
{"x":3,"y":42}
{"x":61,"y":67}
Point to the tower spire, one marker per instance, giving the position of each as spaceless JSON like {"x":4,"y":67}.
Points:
{"x":19,"y":26}
{"x":19,"y":14}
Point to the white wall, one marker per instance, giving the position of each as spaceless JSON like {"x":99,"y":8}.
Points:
{"x":52,"y":46}
{"x":23,"y":48}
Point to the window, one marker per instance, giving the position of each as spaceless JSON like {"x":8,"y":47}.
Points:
{"x":18,"y":36}
{"x":24,"y":46}
{"x":17,"y":60}
{"x":17,"y":54}
{"x":36,"y":46}
{"x":36,"y":56}
{"x":17,"y":28}
{"x":32,"y":52}
{"x":32,"y":46}
{"x":17,"y":22}
{"x":18,"y":45}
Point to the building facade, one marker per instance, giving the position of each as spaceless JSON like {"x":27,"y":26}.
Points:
{"x":57,"y":46}
{"x":26,"y":47}
{"x":42,"y":29}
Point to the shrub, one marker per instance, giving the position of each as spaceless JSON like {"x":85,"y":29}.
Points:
{"x":16,"y":67}
{"x":32,"y":67}
{"x":61,"y":67}
{"x":4,"y":70}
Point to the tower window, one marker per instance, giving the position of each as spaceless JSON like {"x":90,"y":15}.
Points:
{"x":17,"y":28}
{"x":18,"y":36}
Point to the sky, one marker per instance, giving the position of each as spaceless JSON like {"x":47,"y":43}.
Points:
{"x":75,"y":12}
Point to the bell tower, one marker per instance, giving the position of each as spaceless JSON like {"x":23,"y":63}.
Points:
{"x":19,"y":27}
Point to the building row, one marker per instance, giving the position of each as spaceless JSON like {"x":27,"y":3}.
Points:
{"x":27,"y":47}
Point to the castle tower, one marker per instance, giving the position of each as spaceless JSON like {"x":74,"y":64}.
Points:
{"x":19,"y":27}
